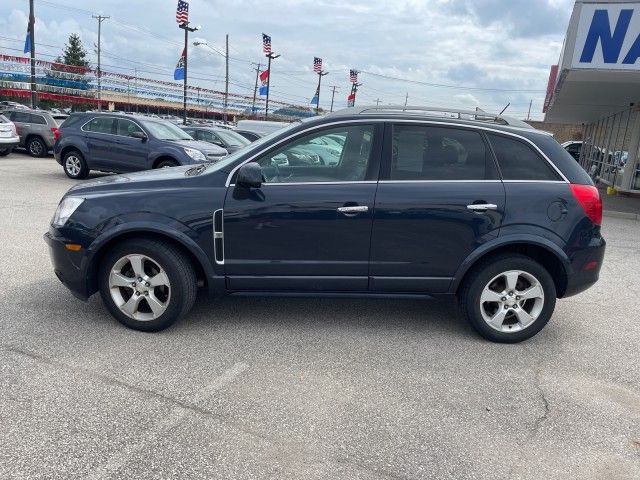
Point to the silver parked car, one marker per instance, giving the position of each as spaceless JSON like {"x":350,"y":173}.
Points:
{"x":8,"y":136}
{"x":38,"y":130}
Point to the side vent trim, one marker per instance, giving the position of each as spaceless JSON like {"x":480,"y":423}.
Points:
{"x":218,"y":236}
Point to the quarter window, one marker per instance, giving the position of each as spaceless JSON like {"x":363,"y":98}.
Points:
{"x":519,"y":161}
{"x":435,"y":153}
{"x":100,"y":125}
{"x":311,"y":159}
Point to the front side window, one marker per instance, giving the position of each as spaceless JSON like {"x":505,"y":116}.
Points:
{"x":309,"y":159}
{"x":165,"y":130}
{"x":518,"y":161}
{"x":437,"y":153}
{"x":126,"y":127}
{"x":100,"y":125}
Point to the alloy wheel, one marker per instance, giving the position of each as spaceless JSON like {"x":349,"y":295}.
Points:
{"x":139,"y":287}
{"x":512,"y":301}
{"x":73,"y":165}
{"x":35,"y":148}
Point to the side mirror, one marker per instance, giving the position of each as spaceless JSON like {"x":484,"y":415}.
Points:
{"x":138,"y":135}
{"x":250,"y":176}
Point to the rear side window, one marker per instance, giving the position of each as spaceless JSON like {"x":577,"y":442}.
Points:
{"x":38,"y":120}
{"x":100,"y":125}
{"x":518,"y":161}
{"x":435,"y":153}
{"x":20,"y":117}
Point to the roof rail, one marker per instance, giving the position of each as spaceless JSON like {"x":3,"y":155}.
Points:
{"x":473,"y":115}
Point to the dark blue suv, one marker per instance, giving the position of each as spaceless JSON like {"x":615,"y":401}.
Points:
{"x":421,"y":202}
{"x":120,"y":143}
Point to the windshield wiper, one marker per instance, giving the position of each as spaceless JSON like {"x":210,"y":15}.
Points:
{"x":197,"y":170}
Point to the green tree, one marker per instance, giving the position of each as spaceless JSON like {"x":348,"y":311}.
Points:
{"x":74,"y":52}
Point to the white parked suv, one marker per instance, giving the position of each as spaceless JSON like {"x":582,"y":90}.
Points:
{"x":8,"y":136}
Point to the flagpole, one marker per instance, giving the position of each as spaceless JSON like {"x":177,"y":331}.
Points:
{"x":32,"y":41}
{"x":187,"y":29}
{"x":320,"y":75}
{"x":270,"y":56}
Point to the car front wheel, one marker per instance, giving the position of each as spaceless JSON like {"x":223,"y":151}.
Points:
{"x":147,"y":284}
{"x":508,"y":298}
{"x":75,"y":166}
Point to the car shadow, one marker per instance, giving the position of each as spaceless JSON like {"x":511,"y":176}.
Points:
{"x":437,"y":316}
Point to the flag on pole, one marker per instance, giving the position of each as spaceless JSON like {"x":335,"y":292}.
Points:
{"x":178,"y":73}
{"x":266,"y":44}
{"x":264,"y":76}
{"x":27,"y":41}
{"x":353,"y":76}
{"x":317,"y":64}
{"x":182,"y":12}
{"x":314,"y":100}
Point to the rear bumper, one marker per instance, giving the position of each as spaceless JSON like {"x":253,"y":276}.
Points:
{"x":67,"y":266}
{"x":586,"y":265}
{"x":12,"y":142}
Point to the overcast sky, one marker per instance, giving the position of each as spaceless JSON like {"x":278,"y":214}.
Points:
{"x":491,"y":51}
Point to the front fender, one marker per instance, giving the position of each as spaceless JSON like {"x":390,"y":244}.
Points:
{"x":167,"y":228}
{"x":506,"y":240}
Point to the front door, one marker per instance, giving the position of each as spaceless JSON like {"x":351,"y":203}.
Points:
{"x":439,"y":198}
{"x":308,"y":228}
{"x":100,"y":137}
{"x":130,"y":154}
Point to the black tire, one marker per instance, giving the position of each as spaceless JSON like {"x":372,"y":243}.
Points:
{"x":485,"y":272}
{"x":178,"y":269}
{"x":70,"y":162}
{"x":5,"y":151}
{"x":167,"y":163}
{"x":36,"y":147}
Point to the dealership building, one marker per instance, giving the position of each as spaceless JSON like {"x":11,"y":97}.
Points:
{"x":597,"y":84}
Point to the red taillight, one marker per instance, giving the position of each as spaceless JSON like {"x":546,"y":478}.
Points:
{"x":56,"y":133}
{"x":589,"y":199}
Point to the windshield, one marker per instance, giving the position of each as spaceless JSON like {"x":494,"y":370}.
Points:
{"x":229,"y":161}
{"x":165,"y":131}
{"x":232,"y":138}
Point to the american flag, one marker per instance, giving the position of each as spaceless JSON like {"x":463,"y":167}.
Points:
{"x":317,"y":64}
{"x":266,"y":44}
{"x":353,"y":76}
{"x":182,"y":12}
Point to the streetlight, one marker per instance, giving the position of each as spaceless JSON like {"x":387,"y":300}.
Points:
{"x":185,"y":26}
{"x":226,"y":83}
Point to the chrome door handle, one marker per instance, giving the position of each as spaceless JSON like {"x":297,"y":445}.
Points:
{"x":482,"y":207}
{"x":354,"y":209}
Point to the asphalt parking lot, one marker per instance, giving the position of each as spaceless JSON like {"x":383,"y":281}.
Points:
{"x":306,"y":388}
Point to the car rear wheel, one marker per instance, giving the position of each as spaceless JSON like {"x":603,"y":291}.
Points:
{"x":36,"y":147}
{"x":147,"y":284}
{"x":508,"y":298}
{"x":167,"y":163}
{"x":5,"y":151}
{"x":74,"y":165}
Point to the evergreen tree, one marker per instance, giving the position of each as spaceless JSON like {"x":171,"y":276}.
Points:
{"x":74,"y":52}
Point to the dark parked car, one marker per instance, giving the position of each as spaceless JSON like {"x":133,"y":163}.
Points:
{"x":418,"y":204}
{"x":249,"y":135}
{"x":222,"y":137}
{"x":38,"y":130}
{"x":120,"y":143}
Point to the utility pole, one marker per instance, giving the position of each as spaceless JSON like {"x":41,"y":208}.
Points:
{"x":32,"y":41}
{"x":100,"y":19}
{"x":187,"y":29}
{"x":529,"y":114}
{"x":406,"y":99}
{"x":320,"y":75}
{"x":226,"y":81}
{"x":377,"y":102}
{"x":255,"y":89}
{"x":333,"y":94}
{"x":135,"y":71}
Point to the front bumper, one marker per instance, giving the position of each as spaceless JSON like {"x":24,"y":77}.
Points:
{"x":68,"y":266}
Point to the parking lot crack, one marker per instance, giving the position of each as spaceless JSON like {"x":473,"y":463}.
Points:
{"x":545,"y":402}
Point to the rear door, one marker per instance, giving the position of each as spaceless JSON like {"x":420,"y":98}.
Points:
{"x":439,"y":198}
{"x":100,"y":136}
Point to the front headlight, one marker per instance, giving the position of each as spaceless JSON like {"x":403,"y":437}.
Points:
{"x":197,"y":155}
{"x":65,"y":210}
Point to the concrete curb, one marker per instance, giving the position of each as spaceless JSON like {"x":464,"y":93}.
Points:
{"x":625,"y":215}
